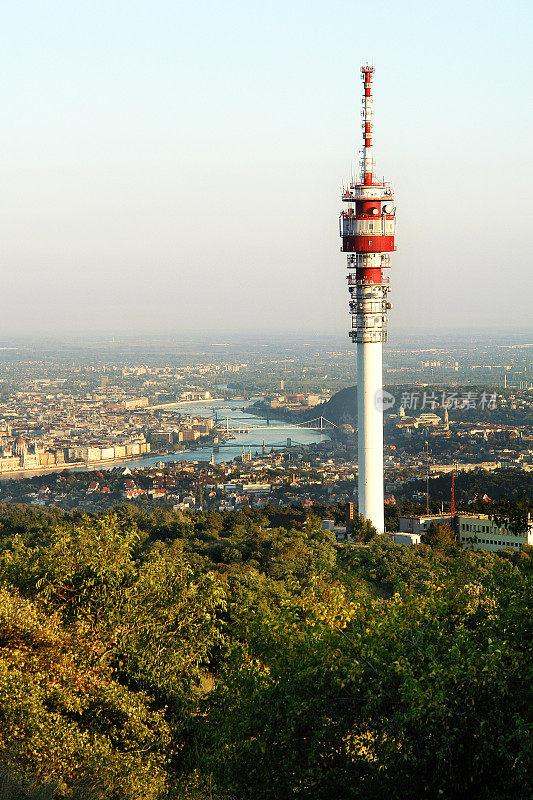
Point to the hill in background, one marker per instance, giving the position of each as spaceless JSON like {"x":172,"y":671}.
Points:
{"x":340,"y":409}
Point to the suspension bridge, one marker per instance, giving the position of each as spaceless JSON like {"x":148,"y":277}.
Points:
{"x":319,"y":424}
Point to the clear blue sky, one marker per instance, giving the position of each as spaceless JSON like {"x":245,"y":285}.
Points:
{"x":169,"y":165}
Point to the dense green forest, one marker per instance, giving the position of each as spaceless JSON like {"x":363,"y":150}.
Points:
{"x":248,"y":655}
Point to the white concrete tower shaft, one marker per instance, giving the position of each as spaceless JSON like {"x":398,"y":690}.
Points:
{"x":367,"y":227}
{"x":370,"y":433}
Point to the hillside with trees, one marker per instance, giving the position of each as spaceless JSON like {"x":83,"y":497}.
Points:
{"x":341,"y":408}
{"x":248,"y":655}
{"x":471,"y":487}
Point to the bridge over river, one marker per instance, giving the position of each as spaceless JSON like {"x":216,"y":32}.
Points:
{"x":319,"y":424}
{"x":244,"y":434}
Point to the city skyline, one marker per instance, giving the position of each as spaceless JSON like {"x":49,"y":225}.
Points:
{"x":136,"y":138}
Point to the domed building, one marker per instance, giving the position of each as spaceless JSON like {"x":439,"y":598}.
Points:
{"x":19,"y":456}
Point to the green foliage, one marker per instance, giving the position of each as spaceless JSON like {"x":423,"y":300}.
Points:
{"x":15,"y":790}
{"x":362,"y":529}
{"x":64,"y":719}
{"x":153,"y":617}
{"x":439,"y":535}
{"x":389,"y":566}
{"x":80,"y":568}
{"x":178,"y":655}
{"x":501,"y":485}
{"x":513,"y":515}
{"x":410,"y":697}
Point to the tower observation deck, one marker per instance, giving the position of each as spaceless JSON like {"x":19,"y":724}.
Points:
{"x":367,"y":228}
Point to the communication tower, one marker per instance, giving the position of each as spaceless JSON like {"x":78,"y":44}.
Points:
{"x":367,"y":227}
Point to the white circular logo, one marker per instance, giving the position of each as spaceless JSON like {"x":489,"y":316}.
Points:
{"x":384,"y":400}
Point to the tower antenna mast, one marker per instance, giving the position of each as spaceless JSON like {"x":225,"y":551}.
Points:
{"x":367,"y":227}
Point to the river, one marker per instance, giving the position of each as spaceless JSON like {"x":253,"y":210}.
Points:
{"x":272,"y":435}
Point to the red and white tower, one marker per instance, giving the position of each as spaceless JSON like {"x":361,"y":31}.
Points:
{"x":367,"y":227}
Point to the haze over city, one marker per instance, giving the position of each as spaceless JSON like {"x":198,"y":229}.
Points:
{"x":175,"y":168}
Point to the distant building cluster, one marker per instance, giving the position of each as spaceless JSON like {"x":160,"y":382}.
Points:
{"x":298,"y":401}
{"x":94,"y":453}
{"x":96,"y":415}
{"x":19,"y":455}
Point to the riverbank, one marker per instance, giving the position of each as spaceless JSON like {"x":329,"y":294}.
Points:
{"x":178,"y":403}
{"x":95,"y":466}
{"x":74,"y":466}
{"x":201,"y":451}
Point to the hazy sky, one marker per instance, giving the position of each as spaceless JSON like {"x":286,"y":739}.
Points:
{"x":177,"y":165}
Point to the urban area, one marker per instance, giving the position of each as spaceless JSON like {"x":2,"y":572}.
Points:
{"x":215,"y":431}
